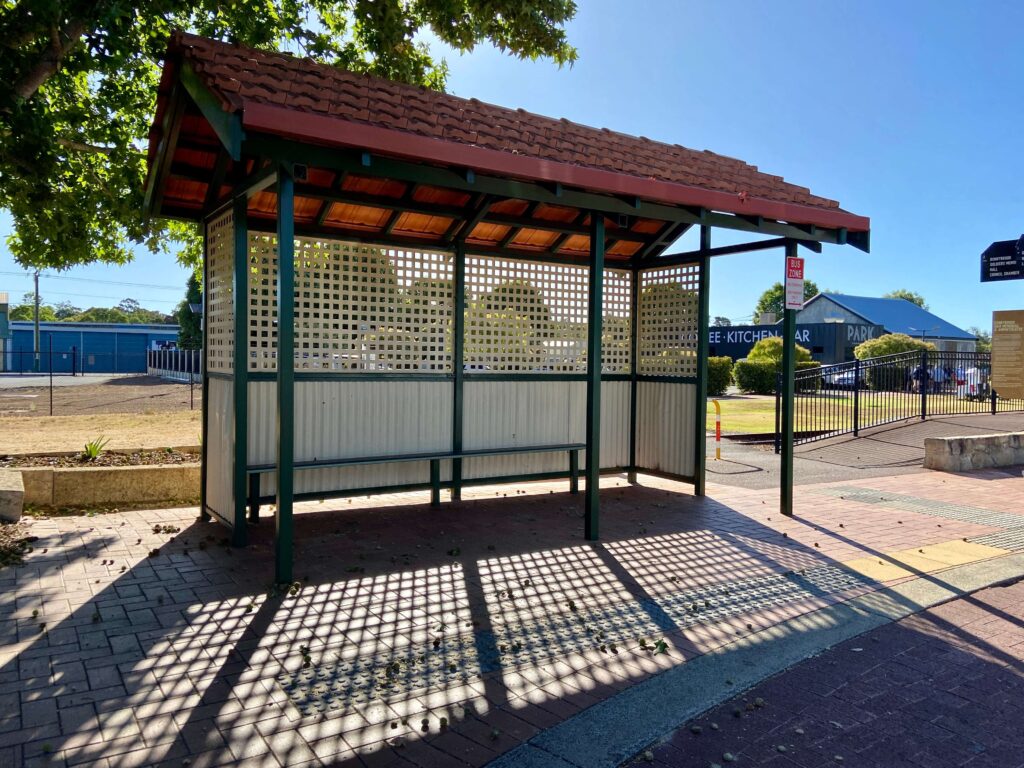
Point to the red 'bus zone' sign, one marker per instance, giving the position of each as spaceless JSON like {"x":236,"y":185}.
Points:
{"x":794,"y":282}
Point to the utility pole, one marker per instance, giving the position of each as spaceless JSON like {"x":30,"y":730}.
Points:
{"x":35,"y":331}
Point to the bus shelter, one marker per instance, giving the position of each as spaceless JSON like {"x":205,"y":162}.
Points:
{"x":409,"y":290}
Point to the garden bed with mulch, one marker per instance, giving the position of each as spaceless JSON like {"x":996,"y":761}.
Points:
{"x":106,"y":459}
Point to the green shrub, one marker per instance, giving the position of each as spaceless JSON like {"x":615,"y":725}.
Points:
{"x":755,"y":376}
{"x":770,"y":348}
{"x":759,"y":377}
{"x":891,"y":377}
{"x":719,"y":375}
{"x":94,"y":448}
{"x":808,"y":382}
{"x":890,"y":344}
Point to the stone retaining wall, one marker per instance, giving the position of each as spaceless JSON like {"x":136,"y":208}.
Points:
{"x":85,"y":486}
{"x":962,"y":454}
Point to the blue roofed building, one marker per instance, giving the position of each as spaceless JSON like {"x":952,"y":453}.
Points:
{"x":88,"y":347}
{"x":893,"y":315}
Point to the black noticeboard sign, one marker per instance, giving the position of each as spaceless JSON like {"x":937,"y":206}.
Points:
{"x":1003,"y":260}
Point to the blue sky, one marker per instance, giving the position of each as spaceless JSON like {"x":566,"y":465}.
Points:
{"x":908,"y":112}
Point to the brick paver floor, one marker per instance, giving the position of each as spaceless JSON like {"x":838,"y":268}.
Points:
{"x":940,"y":689}
{"x":420,"y":636}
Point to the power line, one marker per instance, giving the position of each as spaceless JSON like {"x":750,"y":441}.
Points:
{"x":97,"y":296}
{"x":94,"y":280}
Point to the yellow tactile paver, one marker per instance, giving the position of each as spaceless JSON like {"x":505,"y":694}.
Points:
{"x":910,"y":562}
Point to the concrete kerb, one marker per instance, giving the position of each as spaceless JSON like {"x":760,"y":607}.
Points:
{"x":963,"y":454}
{"x":612,"y":731}
{"x":75,"y":487}
{"x":12,"y":495}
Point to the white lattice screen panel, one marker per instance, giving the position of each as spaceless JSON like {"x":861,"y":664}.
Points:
{"x":668,"y":321}
{"x":357,"y":307}
{"x":530,"y":317}
{"x":615,"y":322}
{"x":220,"y":315}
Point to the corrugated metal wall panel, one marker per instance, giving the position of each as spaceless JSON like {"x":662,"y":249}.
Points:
{"x":614,"y":423}
{"x":219,"y":441}
{"x":342,"y":419}
{"x":505,"y":414}
{"x":665,"y":425}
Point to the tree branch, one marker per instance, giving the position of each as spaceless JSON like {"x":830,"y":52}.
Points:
{"x":61,"y":43}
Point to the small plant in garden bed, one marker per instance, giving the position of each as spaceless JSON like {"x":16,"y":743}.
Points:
{"x":94,"y":448}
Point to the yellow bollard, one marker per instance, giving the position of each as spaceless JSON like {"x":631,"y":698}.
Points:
{"x":718,"y":431}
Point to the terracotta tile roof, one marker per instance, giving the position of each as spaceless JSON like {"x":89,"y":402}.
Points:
{"x":245,"y":79}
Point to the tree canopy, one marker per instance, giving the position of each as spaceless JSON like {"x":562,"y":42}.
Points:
{"x":774,"y":299}
{"x":984,"y":338}
{"x":65,"y":311}
{"x":890,"y":344}
{"x":78,"y":86}
{"x":769,"y":349}
{"x":911,"y":296}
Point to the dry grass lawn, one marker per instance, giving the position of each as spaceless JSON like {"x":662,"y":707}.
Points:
{"x":46,"y":434}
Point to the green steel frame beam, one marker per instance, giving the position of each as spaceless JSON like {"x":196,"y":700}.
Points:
{"x":634,"y":357}
{"x":265,"y":225}
{"x":595,"y":303}
{"x":283,"y":516}
{"x":786,"y":426}
{"x":703,"y":321}
{"x":240,"y":371}
{"x":165,"y":151}
{"x":671,"y":232}
{"x":216,"y":181}
{"x":402,"y":170}
{"x":458,"y":368}
{"x":227,"y":125}
{"x":204,"y":412}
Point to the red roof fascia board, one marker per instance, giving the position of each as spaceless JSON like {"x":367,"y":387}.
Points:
{"x":281,"y":121}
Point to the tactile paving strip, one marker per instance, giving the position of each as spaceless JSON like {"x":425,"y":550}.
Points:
{"x":1011,"y":539}
{"x":443,"y":662}
{"x":960,"y":512}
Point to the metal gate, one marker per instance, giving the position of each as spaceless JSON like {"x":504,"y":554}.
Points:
{"x":848,"y":397}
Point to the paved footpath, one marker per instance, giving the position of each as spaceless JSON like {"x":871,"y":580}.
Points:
{"x":940,"y":689}
{"x":486,"y":630}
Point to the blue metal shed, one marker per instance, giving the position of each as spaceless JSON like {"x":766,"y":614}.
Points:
{"x":90,"y":347}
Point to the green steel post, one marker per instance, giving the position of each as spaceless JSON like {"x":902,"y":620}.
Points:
{"x":634,"y":360}
{"x":203,"y":514}
{"x":435,"y":482}
{"x":458,"y":365}
{"x":285,"y":374}
{"x":240,"y":370}
{"x":595,"y":302}
{"x":703,"y":304}
{"x":788,"y":370}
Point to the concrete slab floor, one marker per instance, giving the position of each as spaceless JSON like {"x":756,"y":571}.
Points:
{"x":432,"y":636}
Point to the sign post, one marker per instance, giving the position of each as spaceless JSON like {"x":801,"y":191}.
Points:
{"x":794,"y":303}
{"x":794,"y":282}
{"x":1008,"y":353}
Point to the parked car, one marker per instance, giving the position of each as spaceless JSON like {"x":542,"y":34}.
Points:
{"x":846,"y":379}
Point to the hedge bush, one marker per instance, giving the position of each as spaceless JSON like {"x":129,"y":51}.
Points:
{"x":770,"y":348}
{"x":758,"y":377}
{"x":890,"y":344}
{"x":719,"y":375}
{"x":808,"y":383}
{"x":755,"y":376}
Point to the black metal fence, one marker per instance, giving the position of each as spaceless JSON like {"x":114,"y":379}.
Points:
{"x":176,"y":364}
{"x":848,"y":397}
{"x":70,"y":361}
